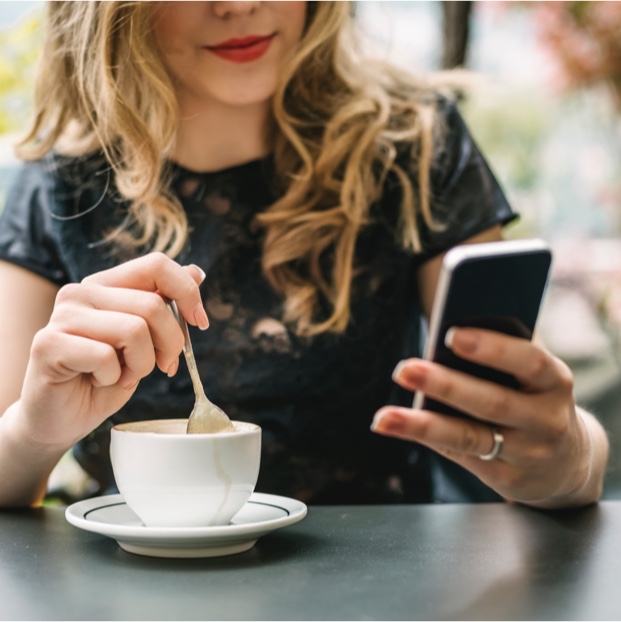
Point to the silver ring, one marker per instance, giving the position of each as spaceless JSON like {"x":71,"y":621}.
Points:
{"x":499,"y":441}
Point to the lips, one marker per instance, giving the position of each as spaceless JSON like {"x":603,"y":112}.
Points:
{"x":244,"y":49}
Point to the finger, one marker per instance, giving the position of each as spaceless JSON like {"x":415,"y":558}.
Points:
{"x":126,"y":333}
{"x":441,"y":433}
{"x":460,"y":441}
{"x":157,"y":273}
{"x":535,"y":368}
{"x":62,"y":357}
{"x":196,"y":272}
{"x":166,"y":336}
{"x":482,"y":399}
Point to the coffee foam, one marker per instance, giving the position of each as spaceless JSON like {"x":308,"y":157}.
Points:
{"x":174,"y":426}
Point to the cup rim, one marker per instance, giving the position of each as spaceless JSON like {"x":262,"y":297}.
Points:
{"x":250,"y":428}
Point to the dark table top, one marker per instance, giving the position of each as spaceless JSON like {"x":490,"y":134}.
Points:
{"x":386,"y":562}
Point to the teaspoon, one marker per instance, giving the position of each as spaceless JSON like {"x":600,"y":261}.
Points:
{"x":206,"y":417}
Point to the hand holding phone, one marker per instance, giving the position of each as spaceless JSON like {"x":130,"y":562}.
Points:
{"x":497,"y":286}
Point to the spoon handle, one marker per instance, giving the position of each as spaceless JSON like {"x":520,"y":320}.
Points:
{"x":187,"y":349}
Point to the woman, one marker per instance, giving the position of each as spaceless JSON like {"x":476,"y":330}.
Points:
{"x":317,"y":193}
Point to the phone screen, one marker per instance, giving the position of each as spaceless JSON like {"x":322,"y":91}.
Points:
{"x":500,"y":291}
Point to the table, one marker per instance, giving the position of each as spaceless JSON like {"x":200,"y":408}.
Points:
{"x":471,"y":562}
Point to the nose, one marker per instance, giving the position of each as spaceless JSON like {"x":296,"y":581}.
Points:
{"x":234,"y":8}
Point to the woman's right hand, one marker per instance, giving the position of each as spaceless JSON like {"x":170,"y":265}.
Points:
{"x":104,"y":335}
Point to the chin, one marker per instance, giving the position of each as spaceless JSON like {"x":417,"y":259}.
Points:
{"x":247,"y":90}
{"x":241,"y":102}
{"x":247,"y":97}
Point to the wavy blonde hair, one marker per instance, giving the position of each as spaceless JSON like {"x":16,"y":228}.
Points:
{"x":339,"y":121}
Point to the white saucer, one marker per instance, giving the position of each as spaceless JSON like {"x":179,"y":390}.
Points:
{"x":110,"y":516}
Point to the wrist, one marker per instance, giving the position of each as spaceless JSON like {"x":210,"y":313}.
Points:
{"x":25,"y":464}
{"x":596,"y":453}
{"x":16,"y":432}
{"x":590,"y":461}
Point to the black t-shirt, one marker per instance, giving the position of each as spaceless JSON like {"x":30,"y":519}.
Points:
{"x":314,"y":398}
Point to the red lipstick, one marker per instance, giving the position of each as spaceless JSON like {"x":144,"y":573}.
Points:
{"x":242,"y":50}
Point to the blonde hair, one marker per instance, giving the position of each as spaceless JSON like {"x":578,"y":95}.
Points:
{"x":339,"y":121}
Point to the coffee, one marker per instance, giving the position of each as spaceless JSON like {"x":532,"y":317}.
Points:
{"x":173,"y":426}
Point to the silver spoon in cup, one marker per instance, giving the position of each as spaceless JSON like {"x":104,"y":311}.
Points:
{"x":206,"y":417}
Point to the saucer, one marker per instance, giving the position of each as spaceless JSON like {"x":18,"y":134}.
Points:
{"x":110,"y":516}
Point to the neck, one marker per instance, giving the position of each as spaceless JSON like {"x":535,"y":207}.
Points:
{"x":219,"y":136}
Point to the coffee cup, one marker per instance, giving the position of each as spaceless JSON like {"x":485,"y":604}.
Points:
{"x":173,"y":479}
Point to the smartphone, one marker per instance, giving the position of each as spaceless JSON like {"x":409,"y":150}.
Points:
{"x":493,"y":285}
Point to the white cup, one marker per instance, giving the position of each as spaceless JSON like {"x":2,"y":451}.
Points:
{"x":173,"y":479}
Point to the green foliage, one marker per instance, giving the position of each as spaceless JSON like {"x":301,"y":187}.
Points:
{"x":513,"y":130}
{"x":19,"y":50}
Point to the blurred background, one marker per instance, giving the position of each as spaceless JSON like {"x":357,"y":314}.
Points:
{"x":544,"y":106}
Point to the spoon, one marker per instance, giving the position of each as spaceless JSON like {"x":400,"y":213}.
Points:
{"x":206,"y":417}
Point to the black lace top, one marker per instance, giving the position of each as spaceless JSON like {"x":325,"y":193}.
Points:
{"x":314,"y":398}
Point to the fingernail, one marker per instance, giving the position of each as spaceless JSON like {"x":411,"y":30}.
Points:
{"x":387,"y":421}
{"x":398,"y":369}
{"x":465,"y":340}
{"x":200,"y":317}
{"x":201,"y":271}
{"x":409,"y":373}
{"x":448,"y":338}
{"x":377,"y":421}
{"x":172,"y":370}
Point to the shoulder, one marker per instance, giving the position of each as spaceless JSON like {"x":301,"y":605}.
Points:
{"x":31,"y":177}
{"x":464,"y":196}
{"x":55,"y":166}
{"x":57,"y":213}
{"x":451,"y":138}
{"x":26,"y":223}
{"x":77,"y":182}
{"x":454,"y":146}
{"x":57,"y":189}
{"x":456,"y":163}
{"x":30,"y":192}
{"x":450,"y":144}
{"x":55,"y":179}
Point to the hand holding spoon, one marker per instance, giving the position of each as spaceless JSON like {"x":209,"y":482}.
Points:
{"x":206,"y":417}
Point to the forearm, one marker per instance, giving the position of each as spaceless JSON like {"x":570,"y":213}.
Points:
{"x":25,"y":466}
{"x":591,"y":464}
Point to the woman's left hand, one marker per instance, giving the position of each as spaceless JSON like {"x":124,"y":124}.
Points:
{"x":553,"y":454}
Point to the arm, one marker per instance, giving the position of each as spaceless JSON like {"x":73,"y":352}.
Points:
{"x":554,"y":454}
{"x":91,"y":344}
{"x":25,"y":467}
